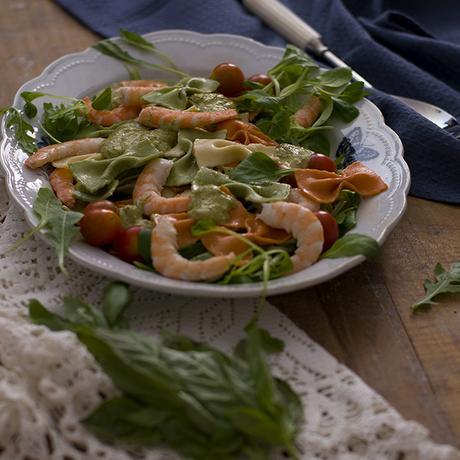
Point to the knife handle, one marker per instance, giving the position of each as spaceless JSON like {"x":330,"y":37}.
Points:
{"x":287,"y":24}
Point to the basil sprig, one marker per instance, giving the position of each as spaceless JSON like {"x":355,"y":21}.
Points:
{"x":180,"y":393}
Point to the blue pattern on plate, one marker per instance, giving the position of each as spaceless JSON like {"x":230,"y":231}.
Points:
{"x":362,"y":152}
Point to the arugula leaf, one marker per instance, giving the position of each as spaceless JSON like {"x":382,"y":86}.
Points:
{"x":344,"y":210}
{"x":22,"y":130}
{"x":353,"y":244}
{"x":258,"y":168}
{"x":103,"y":99}
{"x":445,"y":282}
{"x":56,"y":223}
{"x":65,"y":122}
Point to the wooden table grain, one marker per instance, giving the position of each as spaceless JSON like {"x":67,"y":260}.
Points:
{"x":362,"y":317}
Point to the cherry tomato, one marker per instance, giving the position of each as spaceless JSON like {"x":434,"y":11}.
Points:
{"x":260,"y":78}
{"x":230,"y":77}
{"x":126,"y":246}
{"x":320,"y":161}
{"x":102,"y":204}
{"x":100,"y":226}
{"x":330,"y":228}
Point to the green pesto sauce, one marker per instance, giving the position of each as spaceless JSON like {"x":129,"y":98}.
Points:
{"x":210,"y":102}
{"x":131,"y":215}
{"x":209,"y":202}
{"x":293,"y":156}
{"x":133,"y":137}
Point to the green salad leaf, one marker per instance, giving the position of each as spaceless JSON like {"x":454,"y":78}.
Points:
{"x":56,"y":222}
{"x":133,"y":65}
{"x":353,"y":244}
{"x":103,"y":99}
{"x":294,"y":79}
{"x":344,"y":210}
{"x":446,"y":281}
{"x":22,"y":130}
{"x":179,"y":393}
{"x":259,"y":169}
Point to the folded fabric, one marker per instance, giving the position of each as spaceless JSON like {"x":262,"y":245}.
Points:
{"x":402,"y":47}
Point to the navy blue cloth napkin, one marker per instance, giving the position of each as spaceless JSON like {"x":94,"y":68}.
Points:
{"x":402,"y":47}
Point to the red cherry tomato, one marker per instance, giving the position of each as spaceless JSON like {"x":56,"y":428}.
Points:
{"x":230,"y":77}
{"x":102,"y":204}
{"x":260,"y":78}
{"x":320,"y":161}
{"x":126,"y":246}
{"x":330,"y":228}
{"x":100,"y":226}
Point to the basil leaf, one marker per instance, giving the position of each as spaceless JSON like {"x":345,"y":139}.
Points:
{"x":258,"y":168}
{"x":40,"y":315}
{"x":444,"y":282}
{"x":117,"y":296}
{"x":57,"y":223}
{"x":353,"y":244}
{"x":103,"y":99}
{"x":80,"y":313}
{"x":185,"y":394}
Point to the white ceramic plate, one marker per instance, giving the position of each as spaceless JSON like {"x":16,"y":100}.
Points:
{"x":84,"y":73}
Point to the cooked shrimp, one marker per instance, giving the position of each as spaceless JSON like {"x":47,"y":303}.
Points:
{"x":308,"y":114}
{"x":156,"y":84}
{"x":245,"y":133}
{"x":297,"y":196}
{"x":110,"y":117}
{"x":147,"y":190}
{"x":131,"y":96}
{"x":56,"y":152}
{"x":170,"y":263}
{"x":304,"y":227}
{"x":62,"y":182}
{"x":154,"y":117}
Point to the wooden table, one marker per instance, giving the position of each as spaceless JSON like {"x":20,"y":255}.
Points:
{"x":362,"y":317}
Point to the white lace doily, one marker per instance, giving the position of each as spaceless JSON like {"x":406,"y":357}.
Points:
{"x":48,"y":382}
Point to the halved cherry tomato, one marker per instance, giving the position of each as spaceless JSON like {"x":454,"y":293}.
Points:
{"x":330,"y":228}
{"x":261,"y":78}
{"x":126,"y":246}
{"x":230,"y":77}
{"x":320,"y":161}
{"x":101,"y":204}
{"x":100,"y":226}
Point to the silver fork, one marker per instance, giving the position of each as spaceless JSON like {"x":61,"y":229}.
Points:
{"x":301,"y":34}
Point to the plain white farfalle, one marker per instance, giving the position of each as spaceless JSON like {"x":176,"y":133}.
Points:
{"x":219,"y":152}
{"x":49,"y":382}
